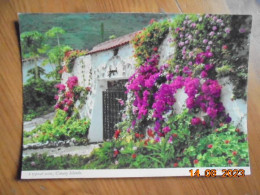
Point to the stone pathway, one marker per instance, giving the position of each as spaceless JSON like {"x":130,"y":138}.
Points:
{"x":30,"y":125}
{"x":60,"y":151}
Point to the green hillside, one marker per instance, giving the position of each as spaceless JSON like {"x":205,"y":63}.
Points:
{"x":83,"y":31}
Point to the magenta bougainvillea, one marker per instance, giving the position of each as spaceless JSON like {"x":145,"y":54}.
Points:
{"x":68,"y":94}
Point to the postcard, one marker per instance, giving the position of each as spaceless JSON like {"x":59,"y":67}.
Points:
{"x":134,"y":95}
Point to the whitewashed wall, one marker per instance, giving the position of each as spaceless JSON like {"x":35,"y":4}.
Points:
{"x":102,"y":63}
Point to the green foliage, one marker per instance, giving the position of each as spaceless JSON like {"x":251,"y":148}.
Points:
{"x":223,"y":70}
{"x":186,"y":145}
{"x":102,"y":31}
{"x":30,"y":43}
{"x":112,"y":36}
{"x":54,"y":32}
{"x":71,"y":56}
{"x":224,"y":147}
{"x":35,"y":74}
{"x":147,"y":41}
{"x":83,"y":30}
{"x":38,"y":97}
{"x":45,"y":162}
{"x":62,"y":128}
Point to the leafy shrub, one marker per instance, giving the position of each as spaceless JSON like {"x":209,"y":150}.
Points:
{"x":62,"y":128}
{"x":146,"y":42}
{"x":186,"y":143}
{"x":45,"y":162}
{"x":38,"y":97}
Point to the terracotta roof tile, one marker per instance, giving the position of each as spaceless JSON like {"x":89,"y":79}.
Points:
{"x":113,"y":43}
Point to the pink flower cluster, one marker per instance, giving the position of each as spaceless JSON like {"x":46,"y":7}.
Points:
{"x":66,"y":98}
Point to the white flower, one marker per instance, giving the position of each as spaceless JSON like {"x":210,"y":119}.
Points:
{"x":134,"y":148}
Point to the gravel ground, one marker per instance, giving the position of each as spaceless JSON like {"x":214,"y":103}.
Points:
{"x":60,"y":151}
{"x":30,"y":125}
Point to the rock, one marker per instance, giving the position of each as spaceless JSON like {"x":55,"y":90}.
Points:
{"x":73,"y":140}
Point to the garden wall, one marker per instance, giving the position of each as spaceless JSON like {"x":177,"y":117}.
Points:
{"x":93,"y":70}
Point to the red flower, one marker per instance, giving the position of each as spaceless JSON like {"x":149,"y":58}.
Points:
{"x":134,"y":156}
{"x":152,"y":21}
{"x":227,"y":142}
{"x":88,"y":88}
{"x":221,"y":124}
{"x":175,"y":135}
{"x":203,"y":122}
{"x":196,"y":161}
{"x":116,"y":152}
{"x":234,"y":153}
{"x":141,"y":135}
{"x":175,"y":164}
{"x":155,"y":49}
{"x":150,"y":133}
{"x":230,"y":162}
{"x":224,"y":47}
{"x":237,"y":130}
{"x":117,"y":133}
{"x":216,"y":130}
{"x":137,"y":135}
{"x":67,"y":53}
{"x":146,"y":142}
{"x":210,"y":146}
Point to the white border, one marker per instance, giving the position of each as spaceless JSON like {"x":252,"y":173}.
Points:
{"x":119,"y":173}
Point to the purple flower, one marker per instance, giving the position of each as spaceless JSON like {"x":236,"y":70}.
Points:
{"x":228,"y":119}
{"x":177,"y":29}
{"x":208,"y":48}
{"x":190,"y":102}
{"x":214,"y":18}
{"x":219,"y":21}
{"x":193,"y":25}
{"x":210,"y":42}
{"x":190,"y":63}
{"x":203,"y":74}
{"x":208,"y":67}
{"x":157,"y":126}
{"x":133,"y":123}
{"x":205,"y":41}
{"x":121,"y":102}
{"x":181,"y":44}
{"x":212,"y":112}
{"x":195,"y":121}
{"x":61,"y":87}
{"x":208,"y":54}
{"x":66,"y":109}
{"x":227,"y":30}
{"x":166,"y":129}
{"x":214,"y":28}
{"x":56,"y":97}
{"x":181,"y":35}
{"x":190,"y":37}
{"x":170,"y":140}
{"x":72,"y":82}
{"x":187,"y":70}
{"x":169,"y":76}
{"x":211,"y":33}
{"x":187,"y":42}
{"x":242,"y":30}
{"x":157,"y":139}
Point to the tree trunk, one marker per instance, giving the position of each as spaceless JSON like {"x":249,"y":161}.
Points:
{"x":36,"y":69}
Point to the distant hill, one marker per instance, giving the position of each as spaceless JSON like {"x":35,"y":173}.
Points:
{"x":83,"y":31}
